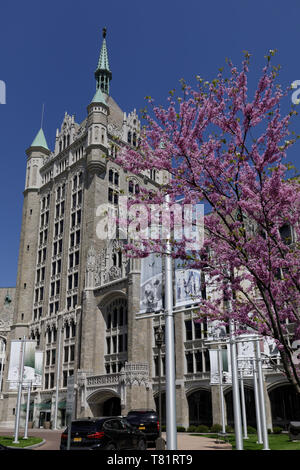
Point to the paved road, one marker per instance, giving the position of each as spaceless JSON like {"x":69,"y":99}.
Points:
{"x":185,"y":441}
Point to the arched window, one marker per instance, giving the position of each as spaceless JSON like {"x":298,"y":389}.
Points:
{"x":130,"y":187}
{"x":116,"y":335}
{"x":75,"y":182}
{"x":129,"y":137}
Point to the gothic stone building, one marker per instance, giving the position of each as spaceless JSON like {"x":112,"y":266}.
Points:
{"x":78,"y":297}
{"x":7,"y":297}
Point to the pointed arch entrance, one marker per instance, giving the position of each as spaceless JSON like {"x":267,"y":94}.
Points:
{"x":285,"y":405}
{"x":249,"y":405}
{"x":200,"y":407}
{"x":104,"y":403}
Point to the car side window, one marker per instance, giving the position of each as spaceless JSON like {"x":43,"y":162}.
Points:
{"x":118,"y":424}
{"x":113,"y":424}
{"x":126,"y":425}
{"x":108,"y":425}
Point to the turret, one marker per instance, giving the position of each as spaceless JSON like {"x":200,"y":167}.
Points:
{"x":35,"y":158}
{"x":36,"y":153}
{"x":98,"y":112}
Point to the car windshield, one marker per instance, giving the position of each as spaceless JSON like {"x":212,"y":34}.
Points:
{"x":138,"y":414}
{"x":86,"y":426}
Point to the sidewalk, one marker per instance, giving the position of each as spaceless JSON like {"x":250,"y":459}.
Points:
{"x":187,"y":441}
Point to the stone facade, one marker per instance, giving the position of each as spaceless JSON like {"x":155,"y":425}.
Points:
{"x":76,"y":294}
{"x":7,"y":301}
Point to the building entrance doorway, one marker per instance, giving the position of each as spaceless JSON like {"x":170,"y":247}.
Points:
{"x":45,"y":416}
{"x":285,"y":405}
{"x":112,"y":407}
{"x":200,"y":408}
{"x":163,"y":407}
{"x":249,"y":405}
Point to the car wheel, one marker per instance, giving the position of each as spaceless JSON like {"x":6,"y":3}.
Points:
{"x":111,"y":447}
{"x":142,"y":445}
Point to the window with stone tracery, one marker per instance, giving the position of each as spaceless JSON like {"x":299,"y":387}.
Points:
{"x":116,"y":321}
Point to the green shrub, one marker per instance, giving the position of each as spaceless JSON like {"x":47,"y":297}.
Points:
{"x":229,"y":428}
{"x":180,"y":429}
{"x":192,"y":428}
{"x":202,"y":428}
{"x":216,"y":428}
{"x":251,"y":430}
{"x":277,"y":430}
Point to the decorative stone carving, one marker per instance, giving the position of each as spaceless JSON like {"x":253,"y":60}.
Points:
{"x":69,"y":318}
{"x":114,"y":130}
{"x":105,"y":266}
{"x":113,"y":274}
{"x":135,"y":372}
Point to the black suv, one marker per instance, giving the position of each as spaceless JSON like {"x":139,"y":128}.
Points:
{"x":146,"y":421}
{"x":107,"y":433}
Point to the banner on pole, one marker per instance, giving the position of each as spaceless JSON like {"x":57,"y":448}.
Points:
{"x":151,"y":284}
{"x":214,"y":366}
{"x":70,"y":394}
{"x":33,"y":363}
{"x":187,"y":285}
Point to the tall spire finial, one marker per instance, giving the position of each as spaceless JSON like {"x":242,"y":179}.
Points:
{"x":42,"y":118}
{"x":103,"y":74}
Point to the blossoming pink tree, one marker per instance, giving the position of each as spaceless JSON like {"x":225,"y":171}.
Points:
{"x":227,"y":149}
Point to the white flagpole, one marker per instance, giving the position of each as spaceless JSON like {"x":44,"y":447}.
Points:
{"x":170,"y":352}
{"x":27,"y":411}
{"x":17,"y":421}
{"x":235,"y":391}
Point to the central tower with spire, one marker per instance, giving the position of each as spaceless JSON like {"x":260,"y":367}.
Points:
{"x":103,"y":73}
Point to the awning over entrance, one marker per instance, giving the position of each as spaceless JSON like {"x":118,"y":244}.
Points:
{"x":45,"y":405}
{"x":24,"y":406}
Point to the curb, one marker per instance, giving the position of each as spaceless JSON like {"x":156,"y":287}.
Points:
{"x":29,"y":447}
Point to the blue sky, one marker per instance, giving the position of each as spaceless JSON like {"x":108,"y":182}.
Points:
{"x":49,"y":51}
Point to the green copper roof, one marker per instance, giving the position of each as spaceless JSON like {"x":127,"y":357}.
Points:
{"x":103,"y":73}
{"x":40,"y":140}
{"x":103,"y":63}
{"x":99,"y":97}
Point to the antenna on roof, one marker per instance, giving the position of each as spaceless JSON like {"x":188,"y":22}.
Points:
{"x":42,"y":118}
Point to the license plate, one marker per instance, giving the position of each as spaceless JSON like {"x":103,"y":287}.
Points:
{"x":77,"y":439}
{"x":142,"y":427}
